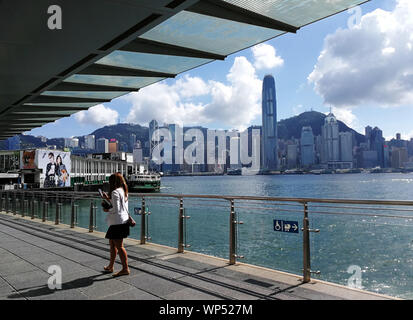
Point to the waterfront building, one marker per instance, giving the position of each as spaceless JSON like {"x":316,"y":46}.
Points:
{"x":367,"y":132}
{"x":137,"y":152}
{"x":258,"y":148}
{"x":123,"y":147}
{"x":318,"y":149}
{"x":269,"y":124}
{"x":132,"y":141}
{"x":42,"y":138}
{"x":153,"y":136}
{"x":375,"y":142}
{"x":399,"y":157}
{"x":386,"y":155}
{"x":369,"y":159}
{"x":71,"y":142}
{"x":113,"y":146}
{"x":330,"y":140}
{"x":346,"y":146}
{"x":292,"y":153}
{"x":90,"y":142}
{"x":307,"y":147}
{"x":235,"y":151}
{"x":102,"y":145}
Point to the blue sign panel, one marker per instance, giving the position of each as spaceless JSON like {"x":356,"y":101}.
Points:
{"x":286,"y":226}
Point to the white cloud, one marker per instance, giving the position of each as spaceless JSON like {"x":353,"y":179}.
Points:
{"x":265,"y":57}
{"x":98,"y":115}
{"x":347,"y":116}
{"x":234,"y":103}
{"x":371,"y":63}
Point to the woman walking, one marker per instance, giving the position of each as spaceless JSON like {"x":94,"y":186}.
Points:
{"x":117,"y":218}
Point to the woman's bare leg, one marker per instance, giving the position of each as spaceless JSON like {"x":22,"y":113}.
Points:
{"x":113,"y":253}
{"x":122,"y":255}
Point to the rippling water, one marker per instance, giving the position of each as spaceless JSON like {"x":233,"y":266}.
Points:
{"x":376,"y":250}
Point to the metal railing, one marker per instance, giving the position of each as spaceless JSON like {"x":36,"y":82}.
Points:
{"x":25,"y":203}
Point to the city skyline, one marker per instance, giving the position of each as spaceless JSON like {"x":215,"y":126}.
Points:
{"x":226,"y":94}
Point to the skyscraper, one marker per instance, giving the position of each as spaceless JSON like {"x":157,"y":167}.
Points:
{"x":102,"y":145}
{"x":132,"y":141}
{"x":346,"y":146}
{"x":330,"y":134}
{"x":377,"y":144}
{"x":153,"y":140}
{"x":269,"y":124}
{"x":113,"y":145}
{"x":307,"y":147}
{"x":90,"y":142}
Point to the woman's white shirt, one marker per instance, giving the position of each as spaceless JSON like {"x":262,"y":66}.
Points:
{"x":118,"y":214}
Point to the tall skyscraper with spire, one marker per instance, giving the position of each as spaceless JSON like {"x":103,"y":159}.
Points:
{"x":269,"y":124}
{"x":330,"y":136}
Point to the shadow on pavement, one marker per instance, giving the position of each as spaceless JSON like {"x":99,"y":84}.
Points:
{"x":74,"y":284}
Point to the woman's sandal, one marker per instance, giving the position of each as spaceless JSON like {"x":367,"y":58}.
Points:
{"x":121,"y":273}
{"x":108,"y":270}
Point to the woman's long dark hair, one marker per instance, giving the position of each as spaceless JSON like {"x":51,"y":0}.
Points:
{"x":116,"y":180}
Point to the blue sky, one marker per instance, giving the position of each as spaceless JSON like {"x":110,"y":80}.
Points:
{"x":358,"y":103}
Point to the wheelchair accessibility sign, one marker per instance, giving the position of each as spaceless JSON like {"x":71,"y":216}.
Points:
{"x":286,"y":226}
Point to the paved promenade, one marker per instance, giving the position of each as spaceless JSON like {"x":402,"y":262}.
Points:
{"x":29,"y":247}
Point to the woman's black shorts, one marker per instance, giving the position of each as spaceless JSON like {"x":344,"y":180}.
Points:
{"x":118,"y":231}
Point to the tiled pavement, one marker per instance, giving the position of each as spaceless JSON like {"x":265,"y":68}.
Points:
{"x":29,"y":247}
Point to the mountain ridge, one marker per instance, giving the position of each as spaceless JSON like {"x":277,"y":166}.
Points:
{"x":287,"y":129}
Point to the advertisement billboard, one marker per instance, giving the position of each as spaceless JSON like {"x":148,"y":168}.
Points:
{"x":55,"y":166}
{"x":28,"y":159}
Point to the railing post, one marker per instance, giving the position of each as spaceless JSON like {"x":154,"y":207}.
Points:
{"x":91,"y":225}
{"x":181,"y":226}
{"x":14,"y":206}
{"x":306,"y":246}
{"x":57,"y":217}
{"x":25,"y":207}
{"x":1,"y":201}
{"x":143,"y":222}
{"x":39,"y":205}
{"x":232,"y":235}
{"x":44,"y":217}
{"x":6,"y":203}
{"x":22,"y":204}
{"x":72,"y":216}
{"x":32,"y":206}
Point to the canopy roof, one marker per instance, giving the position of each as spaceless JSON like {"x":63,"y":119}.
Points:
{"x":107,"y":48}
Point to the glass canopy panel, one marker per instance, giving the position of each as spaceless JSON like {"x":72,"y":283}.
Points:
{"x":84,"y":94}
{"x":130,"y":82}
{"x":296,"y":12}
{"x":210,"y":34}
{"x":55,"y":112}
{"x":80,"y":104}
{"x":151,"y":62}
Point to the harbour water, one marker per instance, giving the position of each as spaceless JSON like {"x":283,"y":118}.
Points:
{"x":373,"y":253}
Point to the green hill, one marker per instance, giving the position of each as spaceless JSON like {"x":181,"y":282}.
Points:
{"x":122,"y":132}
{"x":291,"y":127}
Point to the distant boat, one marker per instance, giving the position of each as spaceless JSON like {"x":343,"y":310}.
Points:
{"x":144,"y":181}
{"x":234,"y":172}
{"x":316,"y":172}
{"x":293,"y":171}
{"x":376,"y":170}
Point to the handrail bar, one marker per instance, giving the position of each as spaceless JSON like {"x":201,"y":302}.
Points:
{"x":234,"y":197}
